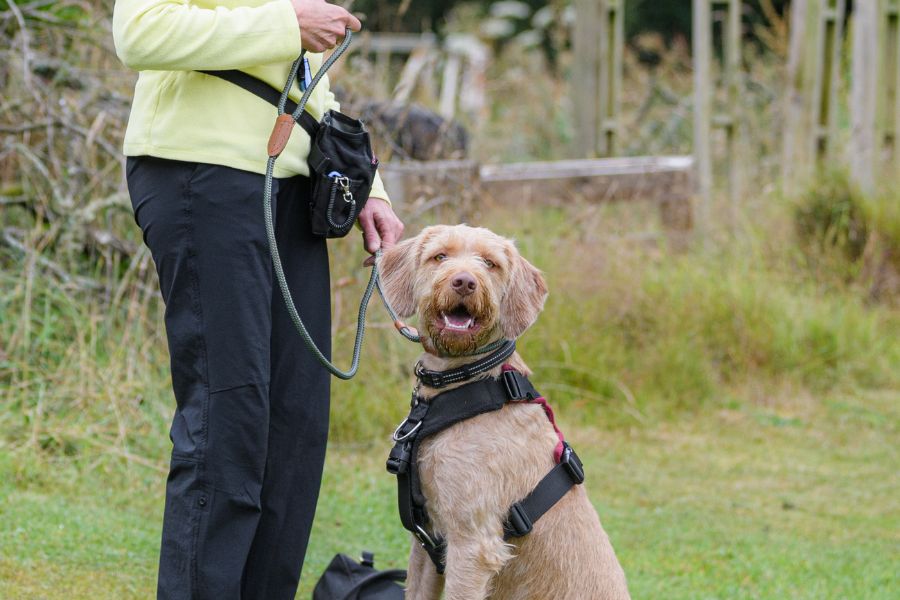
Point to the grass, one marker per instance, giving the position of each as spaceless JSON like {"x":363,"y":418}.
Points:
{"x":738,"y":415}
{"x":797,"y":498}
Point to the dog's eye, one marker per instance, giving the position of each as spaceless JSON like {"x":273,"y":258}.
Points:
{"x":488,"y":263}
{"x":440,"y":257}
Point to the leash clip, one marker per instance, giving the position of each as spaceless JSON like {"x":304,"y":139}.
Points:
{"x":344,"y":182}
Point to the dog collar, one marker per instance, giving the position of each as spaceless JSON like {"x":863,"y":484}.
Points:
{"x":440,"y":379}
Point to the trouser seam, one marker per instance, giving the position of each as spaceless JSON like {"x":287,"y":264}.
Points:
{"x":197,"y":308}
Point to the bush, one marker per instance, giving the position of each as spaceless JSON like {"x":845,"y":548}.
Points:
{"x":849,"y":235}
{"x":831,"y":216}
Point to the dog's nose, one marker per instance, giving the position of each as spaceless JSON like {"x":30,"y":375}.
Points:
{"x":464,"y":283}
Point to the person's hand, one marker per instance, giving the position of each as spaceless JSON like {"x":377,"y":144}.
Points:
{"x":381,"y":227}
{"x":322,"y":24}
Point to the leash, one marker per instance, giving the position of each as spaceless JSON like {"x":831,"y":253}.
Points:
{"x":277,"y":142}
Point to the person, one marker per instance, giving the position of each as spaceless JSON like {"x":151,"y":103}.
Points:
{"x":251,"y":417}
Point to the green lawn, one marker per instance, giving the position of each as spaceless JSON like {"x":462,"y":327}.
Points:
{"x":782,"y":498}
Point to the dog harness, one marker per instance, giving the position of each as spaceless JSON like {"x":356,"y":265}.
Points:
{"x":428,"y":417}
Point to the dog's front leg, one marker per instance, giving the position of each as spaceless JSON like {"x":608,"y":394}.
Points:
{"x":471,"y":564}
{"x":422,"y":580}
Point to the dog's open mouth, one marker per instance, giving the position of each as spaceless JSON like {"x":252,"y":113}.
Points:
{"x":459,"y":319}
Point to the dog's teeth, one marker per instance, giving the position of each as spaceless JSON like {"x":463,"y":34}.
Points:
{"x":458,"y":326}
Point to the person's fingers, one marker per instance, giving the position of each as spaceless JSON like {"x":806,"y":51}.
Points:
{"x":391,"y":231}
{"x":373,"y":241}
{"x":371,"y":237}
{"x":353,"y":23}
{"x":389,"y":227}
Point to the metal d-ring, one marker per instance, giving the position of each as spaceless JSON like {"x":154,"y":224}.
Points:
{"x":399,"y":438}
{"x":421,"y":533}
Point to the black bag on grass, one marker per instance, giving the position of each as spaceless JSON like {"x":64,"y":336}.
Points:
{"x":346,"y":579}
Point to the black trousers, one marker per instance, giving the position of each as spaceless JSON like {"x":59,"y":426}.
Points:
{"x":251,"y":416}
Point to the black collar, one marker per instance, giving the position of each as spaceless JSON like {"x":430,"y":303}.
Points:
{"x":439,"y":379}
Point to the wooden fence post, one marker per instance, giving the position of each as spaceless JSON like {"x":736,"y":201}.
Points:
{"x":797,"y":161}
{"x":817,"y":33}
{"x":597,"y":84}
{"x":890,"y":109}
{"x":831,"y":30}
{"x":732,"y":113}
{"x":612,"y":35}
{"x":586,"y":73}
{"x":701,"y":35}
{"x":863,"y":94}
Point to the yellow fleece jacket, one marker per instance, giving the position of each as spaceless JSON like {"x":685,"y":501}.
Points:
{"x":181,"y":114}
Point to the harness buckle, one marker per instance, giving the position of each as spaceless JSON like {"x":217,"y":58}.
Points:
{"x":511,"y":385}
{"x":433,"y":379}
{"x":398,"y":460}
{"x":572,"y":464}
{"x":518,"y":523}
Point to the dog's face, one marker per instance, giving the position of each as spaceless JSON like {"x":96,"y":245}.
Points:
{"x":468,"y":285}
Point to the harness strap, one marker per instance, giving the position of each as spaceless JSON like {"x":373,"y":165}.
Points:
{"x":440,"y":379}
{"x":427,"y":418}
{"x":550,"y":490}
{"x":263,"y":90}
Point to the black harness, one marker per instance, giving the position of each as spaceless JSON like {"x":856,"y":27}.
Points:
{"x":428,"y":417}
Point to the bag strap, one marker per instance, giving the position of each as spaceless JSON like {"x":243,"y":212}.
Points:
{"x":391,"y":574}
{"x":263,"y":90}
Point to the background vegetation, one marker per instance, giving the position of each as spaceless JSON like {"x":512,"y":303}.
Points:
{"x":736,"y":402}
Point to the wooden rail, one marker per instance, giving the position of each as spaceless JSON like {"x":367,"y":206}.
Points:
{"x":664,"y":180}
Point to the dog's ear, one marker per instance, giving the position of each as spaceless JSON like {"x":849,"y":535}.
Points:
{"x":524,"y":299}
{"x":397,"y":267}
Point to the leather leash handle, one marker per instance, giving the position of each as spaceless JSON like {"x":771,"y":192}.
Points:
{"x":280,"y":135}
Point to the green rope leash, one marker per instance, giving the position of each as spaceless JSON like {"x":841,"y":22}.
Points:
{"x":270,"y":228}
{"x":374,"y":278}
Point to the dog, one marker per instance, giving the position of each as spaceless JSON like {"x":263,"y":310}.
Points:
{"x":469,"y":287}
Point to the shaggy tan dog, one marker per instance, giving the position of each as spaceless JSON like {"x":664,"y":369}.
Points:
{"x":469,"y":287}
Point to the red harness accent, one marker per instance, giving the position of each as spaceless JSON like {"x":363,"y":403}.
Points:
{"x":558,"y":451}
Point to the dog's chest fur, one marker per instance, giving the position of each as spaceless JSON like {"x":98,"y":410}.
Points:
{"x":474,"y":471}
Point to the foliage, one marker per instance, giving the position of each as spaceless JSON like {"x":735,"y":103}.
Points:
{"x":831,"y":216}
{"x":852,"y":235}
